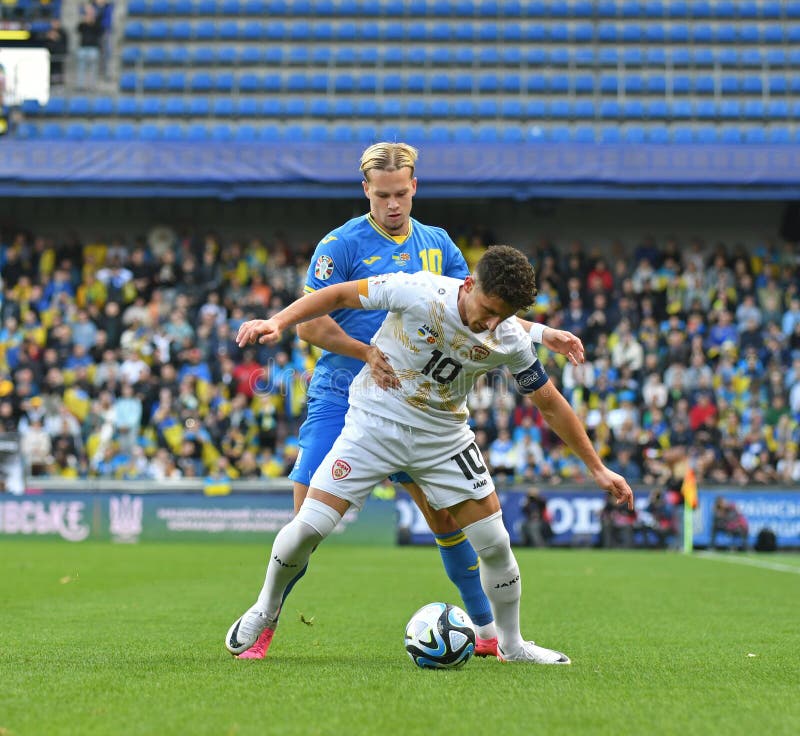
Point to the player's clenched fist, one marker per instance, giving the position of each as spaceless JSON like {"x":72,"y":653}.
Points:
{"x":264,"y":331}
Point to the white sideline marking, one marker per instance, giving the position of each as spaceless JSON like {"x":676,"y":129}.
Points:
{"x":776,"y":566}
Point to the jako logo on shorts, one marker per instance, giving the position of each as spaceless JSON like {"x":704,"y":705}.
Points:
{"x":340,"y":469}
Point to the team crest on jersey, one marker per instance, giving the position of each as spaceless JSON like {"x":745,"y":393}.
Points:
{"x":323,"y":269}
{"x":479,"y":352}
{"x":340,"y":469}
{"x":428,"y":333}
{"x":401,"y":259}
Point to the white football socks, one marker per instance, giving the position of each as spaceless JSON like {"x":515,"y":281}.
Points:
{"x":500,"y":577}
{"x":291,"y":551}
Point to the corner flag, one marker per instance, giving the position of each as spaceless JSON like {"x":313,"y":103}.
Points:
{"x":689,"y":493}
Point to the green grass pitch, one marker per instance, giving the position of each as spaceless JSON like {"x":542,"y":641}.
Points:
{"x":114,"y":639}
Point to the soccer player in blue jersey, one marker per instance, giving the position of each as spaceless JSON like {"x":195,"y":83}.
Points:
{"x":385,"y":240}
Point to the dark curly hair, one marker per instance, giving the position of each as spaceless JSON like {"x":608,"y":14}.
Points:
{"x":505,"y":272}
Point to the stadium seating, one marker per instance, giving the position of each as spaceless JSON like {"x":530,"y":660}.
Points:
{"x":448,"y":63}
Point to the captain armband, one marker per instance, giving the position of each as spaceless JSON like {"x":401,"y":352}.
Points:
{"x":532,"y":378}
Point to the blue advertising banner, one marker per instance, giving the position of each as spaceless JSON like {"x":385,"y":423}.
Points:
{"x":575,"y":515}
{"x":76,"y":517}
{"x":775,"y":509}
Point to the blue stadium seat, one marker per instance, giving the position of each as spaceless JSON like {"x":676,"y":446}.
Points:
{"x":583,"y":110}
{"x":560,"y":109}
{"x":149,"y":132}
{"x":730,"y":134}
{"x":78,"y":107}
{"x":392,"y":83}
{"x":584,"y":56}
{"x":706,"y":134}
{"x":344,"y":83}
{"x":608,"y":56}
{"x":438,"y":108}
{"x":754,"y":109}
{"x":682,"y":134}
{"x":199,"y":107}
{"x":273,"y":107}
{"x":205,"y":30}
{"x":157,"y":30}
{"x":134,"y":30}
{"x":773,"y":34}
{"x":223,"y":107}
{"x":151,"y":107}
{"x":463,"y":108}
{"x":779,"y":134}
{"x":102,"y":106}
{"x":633,"y":84}
{"x":100,"y":132}
{"x":730,"y":109}
{"x":487,"y":108}
{"x":558,"y":57}
{"x":154,"y":82}
{"x":702,"y":57}
{"x":200,"y":82}
{"x":610,"y":109}
{"x":124,"y":132}
{"x":680,"y":56}
{"x":752,"y":85}
{"x":609,"y":84}
{"x":76,"y":132}
{"x":703,"y":84}
{"x":175,"y":107}
{"x":367,"y":108}
{"x":176,"y":82}
{"x":295,"y":107}
{"x":131,"y":55}
{"x":137,"y":7}
{"x":778,"y":109}
{"x":246,"y":107}
{"x":512,"y":109}
{"x":705,"y":109}
{"x":632,"y":56}
{"x":583,"y":84}
{"x":415,"y":83}
{"x":657,"y":134}
{"x":755,"y":135}
{"x":727,"y":57}
{"x":729,"y":85}
{"x":535,"y":109}
{"x":681,"y":109}
{"x":180,"y":31}
{"x":681,"y":84}
{"x":610,"y":134}
{"x":657,"y":109}
{"x":367,"y":82}
{"x":416,"y":108}
{"x":633,"y":134}
{"x":172,"y":132}
{"x":633,"y":109}
{"x":268,"y":133}
{"x":679,"y":33}
{"x":777,"y":84}
{"x":128,"y":81}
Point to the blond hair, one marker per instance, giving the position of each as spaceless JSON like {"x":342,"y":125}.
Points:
{"x":388,"y":157}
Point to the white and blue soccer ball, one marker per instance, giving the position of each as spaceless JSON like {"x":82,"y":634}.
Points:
{"x":440,"y":636}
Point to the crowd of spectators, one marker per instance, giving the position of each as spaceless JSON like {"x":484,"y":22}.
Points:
{"x":118,"y":360}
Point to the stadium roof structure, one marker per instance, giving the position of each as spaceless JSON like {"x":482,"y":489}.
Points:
{"x":232,"y":169}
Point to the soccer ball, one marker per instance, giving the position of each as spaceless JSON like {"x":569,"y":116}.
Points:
{"x":440,"y":636}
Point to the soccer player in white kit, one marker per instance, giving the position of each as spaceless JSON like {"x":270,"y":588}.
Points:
{"x":439,"y":335}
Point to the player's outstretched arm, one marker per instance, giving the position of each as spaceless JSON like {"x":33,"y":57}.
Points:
{"x":326,"y":333}
{"x":565,"y":423}
{"x":324,"y":301}
{"x":558,"y":341}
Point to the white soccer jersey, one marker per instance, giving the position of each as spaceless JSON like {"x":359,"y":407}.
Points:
{"x":436,"y":357}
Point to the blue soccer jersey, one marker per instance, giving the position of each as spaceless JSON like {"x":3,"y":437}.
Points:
{"x":359,"y":249}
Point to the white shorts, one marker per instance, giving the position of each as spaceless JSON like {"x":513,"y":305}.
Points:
{"x":448,"y":467}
